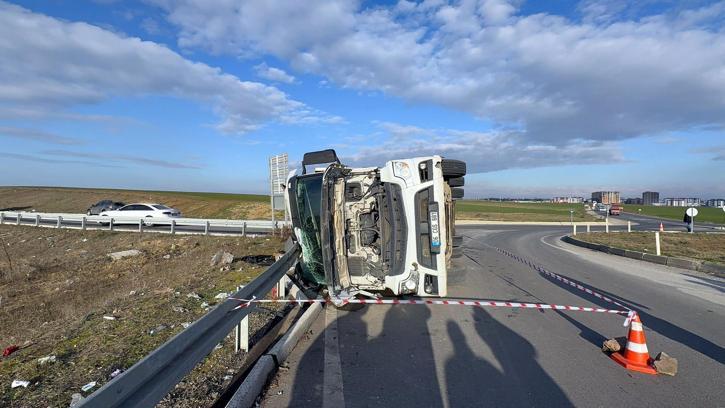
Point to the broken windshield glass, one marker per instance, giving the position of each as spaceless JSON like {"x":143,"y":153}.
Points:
{"x":309,"y":201}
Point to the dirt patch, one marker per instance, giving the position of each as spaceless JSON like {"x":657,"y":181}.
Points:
{"x":704,"y":247}
{"x":62,"y":294}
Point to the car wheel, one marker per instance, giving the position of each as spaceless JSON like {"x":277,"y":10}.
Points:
{"x":453,"y":168}
{"x":456,"y":193}
{"x":456,"y":181}
{"x":148,"y":222}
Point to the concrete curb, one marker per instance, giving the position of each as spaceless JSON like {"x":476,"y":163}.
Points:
{"x":612,"y":223}
{"x":264,"y":368}
{"x":701,"y":266}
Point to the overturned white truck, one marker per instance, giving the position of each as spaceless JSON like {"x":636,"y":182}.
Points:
{"x":387,"y":229}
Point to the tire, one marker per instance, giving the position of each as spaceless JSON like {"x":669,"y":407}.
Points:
{"x":457,"y":241}
{"x":453,"y":168}
{"x":456,"y":181}
{"x":456,"y":193}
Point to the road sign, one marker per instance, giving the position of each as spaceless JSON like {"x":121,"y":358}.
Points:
{"x":278,"y":170}
{"x":692,"y":212}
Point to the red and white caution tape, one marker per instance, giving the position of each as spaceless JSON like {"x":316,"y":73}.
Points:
{"x":447,"y":302}
{"x":569,"y":282}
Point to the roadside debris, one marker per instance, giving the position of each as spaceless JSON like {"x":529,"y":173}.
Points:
{"x":88,"y":386}
{"x":124,"y":254}
{"x":75,"y":400}
{"x":614,"y":345}
{"x":109,"y":317}
{"x":179,"y":309}
{"x":263,"y":260}
{"x":193,"y":295}
{"x":221,"y":296}
{"x":46,"y":359}
{"x":204,"y":305}
{"x":664,"y":364}
{"x":116,"y":372}
{"x":20,"y":383}
{"x":221,"y":258}
{"x":185,"y":324}
{"x":10,"y":350}
{"x":158,"y":329}
{"x":167,"y":256}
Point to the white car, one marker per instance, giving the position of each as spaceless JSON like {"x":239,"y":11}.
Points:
{"x":133,"y":213}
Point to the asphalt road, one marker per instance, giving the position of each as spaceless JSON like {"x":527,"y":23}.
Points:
{"x":653,"y":223}
{"x":452,"y":356}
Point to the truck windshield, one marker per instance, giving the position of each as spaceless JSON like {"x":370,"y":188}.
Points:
{"x":309,"y":201}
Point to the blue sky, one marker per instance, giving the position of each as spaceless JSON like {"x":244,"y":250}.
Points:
{"x":539,"y":98}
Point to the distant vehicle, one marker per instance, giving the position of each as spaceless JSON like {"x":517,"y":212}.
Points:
{"x":132,"y":213}
{"x":615,"y":209}
{"x":601,"y":207}
{"x":104,"y":205}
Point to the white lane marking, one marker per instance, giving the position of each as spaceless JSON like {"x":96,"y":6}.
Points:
{"x":556,"y":246}
{"x":332,"y":392}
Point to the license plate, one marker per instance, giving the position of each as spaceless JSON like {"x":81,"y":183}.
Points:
{"x":435,"y":233}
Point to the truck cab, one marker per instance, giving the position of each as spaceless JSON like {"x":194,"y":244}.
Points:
{"x":376,"y":229}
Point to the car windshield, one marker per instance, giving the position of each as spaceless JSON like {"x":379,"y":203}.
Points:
{"x":160,"y":207}
{"x":309,"y":201}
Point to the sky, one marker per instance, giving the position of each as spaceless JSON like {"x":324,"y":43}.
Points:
{"x":539,"y":98}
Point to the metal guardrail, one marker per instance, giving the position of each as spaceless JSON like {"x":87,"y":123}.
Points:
{"x":149,"y":380}
{"x":82,"y":221}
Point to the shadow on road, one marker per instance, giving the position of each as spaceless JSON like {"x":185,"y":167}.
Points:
{"x":520,"y":382}
{"x":661,"y":326}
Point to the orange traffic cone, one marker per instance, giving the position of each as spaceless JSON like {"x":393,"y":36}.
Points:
{"x":636,"y":356}
{"x":662,"y":228}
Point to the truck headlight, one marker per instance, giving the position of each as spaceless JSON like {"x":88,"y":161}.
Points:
{"x":410,"y":285}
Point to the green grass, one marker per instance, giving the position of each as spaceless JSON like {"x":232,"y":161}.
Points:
{"x":194,"y":194}
{"x":705,"y":214}
{"x":510,"y":211}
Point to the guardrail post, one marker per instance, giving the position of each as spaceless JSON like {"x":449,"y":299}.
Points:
{"x":574,"y":228}
{"x":83,"y":223}
{"x":173,"y":226}
{"x":589,"y":227}
{"x":206,"y":228}
{"x":140,"y":225}
{"x":110,"y":225}
{"x":282,"y":287}
{"x":244,"y":229}
{"x":241,"y":333}
{"x":2,"y":218}
{"x":37,"y":220}
{"x":18,"y":217}
{"x":629,"y":226}
{"x":606,"y":227}
{"x":657,"y":242}
{"x":60,"y":221}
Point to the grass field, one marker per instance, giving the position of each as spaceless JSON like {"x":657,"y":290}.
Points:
{"x":191,"y":204}
{"x":705,"y":247}
{"x":705,"y":214}
{"x":510,"y":211}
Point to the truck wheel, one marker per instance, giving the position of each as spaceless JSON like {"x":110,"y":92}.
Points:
{"x":457,"y":241}
{"x":456,"y":181}
{"x":453,"y":168}
{"x":456,"y":193}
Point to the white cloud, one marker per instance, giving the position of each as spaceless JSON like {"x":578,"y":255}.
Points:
{"x":273,"y":74}
{"x":37,"y":136}
{"x":482,"y":151}
{"x":557,"y":79}
{"x":57,"y":64}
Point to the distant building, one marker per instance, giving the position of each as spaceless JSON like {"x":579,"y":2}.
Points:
{"x":568,"y":200}
{"x":650,"y":198}
{"x":683,"y":202}
{"x":716,"y":202}
{"x":606,"y":197}
{"x":635,"y":201}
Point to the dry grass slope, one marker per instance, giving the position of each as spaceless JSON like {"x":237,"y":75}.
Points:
{"x":56,"y":286}
{"x":706,"y":247}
